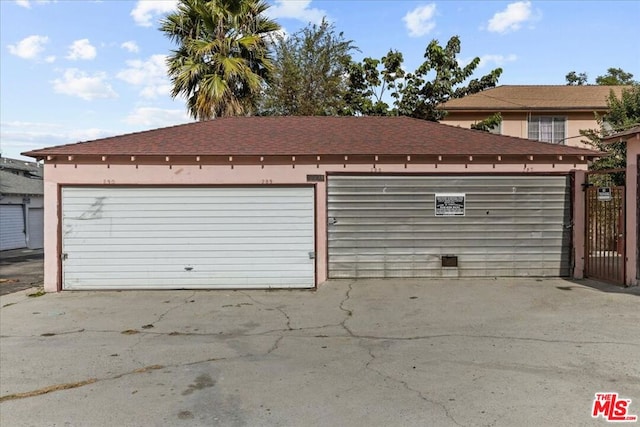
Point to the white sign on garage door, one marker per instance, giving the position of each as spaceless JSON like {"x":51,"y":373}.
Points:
{"x":188,"y":237}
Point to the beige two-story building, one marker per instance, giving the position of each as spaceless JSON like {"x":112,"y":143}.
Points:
{"x":553,"y":114}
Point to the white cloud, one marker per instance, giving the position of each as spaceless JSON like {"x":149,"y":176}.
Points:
{"x":87,"y":134}
{"x":512,"y":18}
{"x":131,"y":46}
{"x":156,"y":117}
{"x":147,"y":10}
{"x":81,"y":49}
{"x":499,"y":60}
{"x":20,"y":136}
{"x":151,"y":75}
{"x":29,"y":47}
{"x":419,"y":21}
{"x":88,"y":87}
{"x":50,"y":59}
{"x":296,"y":9}
{"x":27,"y":4}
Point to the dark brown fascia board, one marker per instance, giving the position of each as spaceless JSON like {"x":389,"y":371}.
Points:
{"x":622,"y":136}
{"x":290,"y":160}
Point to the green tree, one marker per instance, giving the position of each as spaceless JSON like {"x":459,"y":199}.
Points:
{"x":309,"y":73}
{"x":623,"y":113}
{"x":368,"y":84}
{"x":574,"y":79}
{"x":489,"y":123}
{"x":420,"y":97}
{"x":420,"y":94}
{"x":615,"y":76}
{"x":222,"y":59}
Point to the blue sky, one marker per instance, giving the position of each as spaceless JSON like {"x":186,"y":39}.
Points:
{"x":79,"y":70}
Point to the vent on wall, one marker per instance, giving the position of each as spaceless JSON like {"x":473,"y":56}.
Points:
{"x":449,"y":261}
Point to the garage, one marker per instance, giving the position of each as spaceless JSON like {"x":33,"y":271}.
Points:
{"x":35,"y":225}
{"x":497,"y":226}
{"x":291,"y":202}
{"x":12,"y":231}
{"x":187,"y":237}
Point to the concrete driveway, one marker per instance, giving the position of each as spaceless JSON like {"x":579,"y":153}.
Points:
{"x":375,"y":353}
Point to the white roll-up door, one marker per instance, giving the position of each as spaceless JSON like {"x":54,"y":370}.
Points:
{"x":35,"y":228}
{"x":188,"y":237}
{"x":418,"y":226}
{"x":12,"y":227}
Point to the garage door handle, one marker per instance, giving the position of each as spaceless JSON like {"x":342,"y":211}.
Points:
{"x":64,"y":256}
{"x":332,"y":220}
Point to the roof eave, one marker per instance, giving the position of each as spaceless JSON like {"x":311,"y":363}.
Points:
{"x":347,"y":157}
{"x":524,"y":109}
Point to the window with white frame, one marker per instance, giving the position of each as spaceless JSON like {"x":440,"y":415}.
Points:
{"x":547,"y":128}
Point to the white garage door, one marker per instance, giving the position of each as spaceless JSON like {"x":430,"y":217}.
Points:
{"x":188,"y":238}
{"x":12,"y":227}
{"x":36,"y":228}
{"x":494,"y":226}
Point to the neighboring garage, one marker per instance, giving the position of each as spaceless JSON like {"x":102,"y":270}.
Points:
{"x":21,"y":201}
{"x":12,"y":227}
{"x":287,"y":202}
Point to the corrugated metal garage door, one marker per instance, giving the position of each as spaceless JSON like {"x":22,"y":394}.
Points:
{"x":36,"y":228}
{"x":12,"y":227}
{"x":386,"y":226}
{"x":187,"y":238}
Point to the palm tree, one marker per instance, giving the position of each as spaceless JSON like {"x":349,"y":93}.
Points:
{"x":222,"y":59}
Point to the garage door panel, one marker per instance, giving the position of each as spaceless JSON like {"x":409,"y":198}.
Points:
{"x":423,"y":237}
{"x":134,"y":275}
{"x":409,"y":245}
{"x":188,"y":240}
{"x":179,"y":283}
{"x":426,"y":272}
{"x":117,"y":257}
{"x":219,"y":251}
{"x":35,"y":216}
{"x":12,"y":227}
{"x":201,"y":264}
{"x":205,"y":226}
{"x":112,"y":240}
{"x":192,"y":236}
{"x":385,"y":226}
{"x":180,"y":213}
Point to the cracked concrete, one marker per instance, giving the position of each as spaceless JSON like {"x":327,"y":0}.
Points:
{"x":378,"y":352}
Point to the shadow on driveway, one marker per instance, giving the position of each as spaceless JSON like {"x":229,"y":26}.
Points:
{"x":21,"y":269}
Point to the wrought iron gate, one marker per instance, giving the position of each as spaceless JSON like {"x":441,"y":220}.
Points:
{"x":605,"y":226}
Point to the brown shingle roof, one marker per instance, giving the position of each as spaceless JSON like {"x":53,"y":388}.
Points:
{"x":273,"y":136}
{"x":11,"y":183}
{"x":503,"y":98}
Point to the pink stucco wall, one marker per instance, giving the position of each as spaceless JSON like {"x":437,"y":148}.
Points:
{"x":633,"y":151}
{"x":515,"y":123}
{"x":172,"y":174}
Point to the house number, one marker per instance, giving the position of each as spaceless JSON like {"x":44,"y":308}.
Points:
{"x":267,"y":181}
{"x":108,"y":181}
